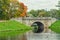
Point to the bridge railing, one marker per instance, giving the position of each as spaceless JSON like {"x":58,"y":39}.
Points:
{"x":37,"y":18}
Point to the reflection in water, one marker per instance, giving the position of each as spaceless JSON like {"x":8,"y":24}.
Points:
{"x":18,"y":37}
{"x":35,"y":36}
{"x":43,"y":36}
{"x":58,"y":36}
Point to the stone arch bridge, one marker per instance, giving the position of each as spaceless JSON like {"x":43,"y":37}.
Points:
{"x":45,"y":21}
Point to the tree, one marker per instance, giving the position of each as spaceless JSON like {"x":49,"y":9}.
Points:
{"x":54,"y":13}
{"x":9,"y":9}
{"x":39,"y":13}
{"x":58,"y":13}
{"x":58,"y":4}
{"x":4,"y":6}
{"x":34,"y":13}
{"x":43,"y":13}
{"x":24,"y":11}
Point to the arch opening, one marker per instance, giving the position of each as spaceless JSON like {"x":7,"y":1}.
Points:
{"x":38,"y":27}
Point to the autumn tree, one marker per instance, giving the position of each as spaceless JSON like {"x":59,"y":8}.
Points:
{"x":10,"y":9}
{"x":24,"y":11}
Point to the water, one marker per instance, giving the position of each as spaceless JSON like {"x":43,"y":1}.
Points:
{"x":43,"y":36}
{"x":35,"y":36}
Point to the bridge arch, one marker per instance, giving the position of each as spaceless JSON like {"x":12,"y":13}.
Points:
{"x":38,"y":27}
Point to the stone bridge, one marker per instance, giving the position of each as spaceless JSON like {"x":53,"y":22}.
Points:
{"x":42,"y":22}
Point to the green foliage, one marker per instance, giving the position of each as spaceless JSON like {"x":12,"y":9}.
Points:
{"x":55,"y":13}
{"x":12,"y":28}
{"x":9,"y":9}
{"x":44,"y":13}
{"x":34,"y":13}
{"x":3,"y":8}
{"x":55,"y":26}
{"x":39,"y":13}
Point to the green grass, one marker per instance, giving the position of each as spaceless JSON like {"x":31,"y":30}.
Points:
{"x":12,"y":28}
{"x":55,"y":26}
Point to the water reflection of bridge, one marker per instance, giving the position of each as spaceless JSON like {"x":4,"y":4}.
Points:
{"x":46,"y":21}
{"x":43,"y":36}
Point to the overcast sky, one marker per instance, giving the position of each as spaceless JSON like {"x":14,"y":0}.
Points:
{"x":40,"y":4}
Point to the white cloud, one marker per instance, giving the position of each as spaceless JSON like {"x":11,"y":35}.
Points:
{"x":40,"y":4}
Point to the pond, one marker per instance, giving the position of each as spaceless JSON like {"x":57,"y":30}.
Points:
{"x":43,"y":36}
{"x":34,"y":36}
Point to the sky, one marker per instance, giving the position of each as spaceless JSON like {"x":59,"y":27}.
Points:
{"x":40,"y":4}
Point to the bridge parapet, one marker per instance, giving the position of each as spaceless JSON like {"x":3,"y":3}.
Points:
{"x":37,"y":18}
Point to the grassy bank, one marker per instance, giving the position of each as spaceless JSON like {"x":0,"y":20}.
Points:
{"x":12,"y":28}
{"x":55,"y":26}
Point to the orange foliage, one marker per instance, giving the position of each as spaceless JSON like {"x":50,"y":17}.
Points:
{"x":23,"y":14}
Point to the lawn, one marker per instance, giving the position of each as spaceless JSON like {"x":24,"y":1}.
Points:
{"x":12,"y":28}
{"x":55,"y":26}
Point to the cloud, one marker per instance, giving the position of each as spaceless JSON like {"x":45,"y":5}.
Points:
{"x":40,"y":4}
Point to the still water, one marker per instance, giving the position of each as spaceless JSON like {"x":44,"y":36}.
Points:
{"x":43,"y":36}
{"x":35,"y":36}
